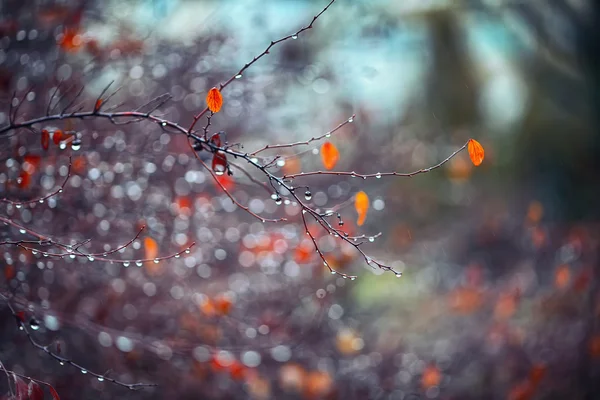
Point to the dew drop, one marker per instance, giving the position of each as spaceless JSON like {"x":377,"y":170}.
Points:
{"x":34,"y":252}
{"x":398,"y":275}
{"x":371,"y":239}
{"x":328,"y":135}
{"x":187,"y":251}
{"x":18,"y":205}
{"x":274,"y":196}
{"x":83,"y":371}
{"x":177,"y":255}
{"x":294,"y":37}
{"x":72,"y":256}
{"x":352,"y":278}
{"x":62,"y":145}
{"x":238,"y":76}
{"x":164,"y":124}
{"x":100,"y":379}
{"x":378,"y":176}
{"x":76,"y":144}
{"x":126,"y":264}
{"x":351,"y":119}
{"x":41,"y":201}
{"x":61,"y":363}
{"x":22,"y":231}
{"x":308,"y":195}
{"x":138,"y":263}
{"x":34,"y":324}
{"x":91,"y":258}
{"x":278,"y":201}
{"x":156,"y":260}
{"x":333,"y":272}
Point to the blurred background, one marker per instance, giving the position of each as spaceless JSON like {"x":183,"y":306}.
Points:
{"x":499,"y":294}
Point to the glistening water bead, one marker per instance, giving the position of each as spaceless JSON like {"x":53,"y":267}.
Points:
{"x":307,"y":195}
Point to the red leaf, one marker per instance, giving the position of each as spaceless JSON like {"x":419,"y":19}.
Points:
{"x":21,"y":389}
{"x":35,"y":392}
{"x":53,"y":392}
{"x":45,"y":139}
{"x":57,"y":136}
{"x":214,"y":100}
{"x":219,"y":163}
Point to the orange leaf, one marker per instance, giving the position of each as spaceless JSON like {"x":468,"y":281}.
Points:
{"x":45,"y":139}
{"x":151,"y":248}
{"x":476,"y":152}
{"x":214,"y":100}
{"x":361,"y":204}
{"x":329,"y":155}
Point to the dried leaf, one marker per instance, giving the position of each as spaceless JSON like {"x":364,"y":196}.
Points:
{"x":329,"y":155}
{"x":361,"y":204}
{"x":476,"y":152}
{"x":214,"y":100}
{"x":45,"y":139}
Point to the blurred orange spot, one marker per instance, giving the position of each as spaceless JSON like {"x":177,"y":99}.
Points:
{"x":506,"y":306}
{"x":71,"y":40}
{"x":24,"y":180}
{"x":582,"y":281}
{"x":79,"y":165}
{"x":595,"y":347}
{"x":227,"y":181}
{"x":465,"y":300}
{"x":318,"y":383}
{"x":259,"y":388}
{"x":431,"y":377}
{"x":292,"y":166}
{"x":222,"y":304}
{"x":237,"y":370}
{"x":522,"y":391}
{"x":291,"y":377}
{"x":348,"y":342}
{"x":151,"y":248}
{"x":562,"y":276}
{"x":538,"y":237}
{"x":535,"y":212}
{"x":304,"y":252}
{"x":536,"y":374}
{"x":459,"y":169}
{"x":207,"y":307}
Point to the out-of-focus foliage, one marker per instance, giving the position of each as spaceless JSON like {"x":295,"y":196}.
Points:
{"x":499,"y":294}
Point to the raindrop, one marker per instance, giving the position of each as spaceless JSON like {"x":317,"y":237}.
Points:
{"x":177,"y":255}
{"x":274,"y":196}
{"x":333,"y":272}
{"x":34,"y":324}
{"x":83,"y":371}
{"x":308,"y":195}
{"x":156,"y":260}
{"x":294,"y":37}
{"x":371,"y":239}
{"x":138,"y":263}
{"x":352,"y":278}
{"x":126,"y":264}
{"x":62,"y":145}
{"x":164,"y":123}
{"x":18,"y":206}
{"x":72,"y":256}
{"x":187,"y":251}
{"x":328,"y":135}
{"x":378,"y":176}
{"x":91,"y":258}
{"x":341,"y":223}
{"x":351,"y":119}
{"x":100,"y":379}
{"x":76,"y":144}
{"x":41,"y":201}
{"x":398,"y":274}
{"x":61,"y":363}
{"x":278,"y":201}
{"x":238,"y":76}
{"x":34,"y":252}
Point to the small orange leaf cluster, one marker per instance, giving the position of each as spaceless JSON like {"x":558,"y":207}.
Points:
{"x":220,"y":305}
{"x":476,"y":152}
{"x":361,"y":204}
{"x":57,"y":137}
{"x":329,"y":155}
{"x":214,"y":100}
